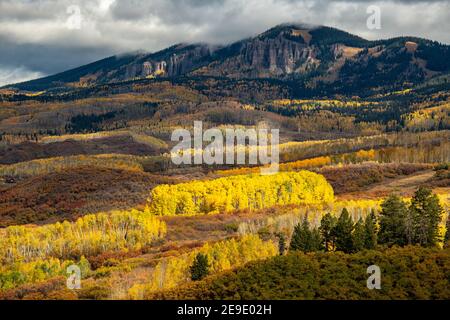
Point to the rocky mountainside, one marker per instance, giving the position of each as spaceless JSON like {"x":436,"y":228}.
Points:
{"x":314,"y":56}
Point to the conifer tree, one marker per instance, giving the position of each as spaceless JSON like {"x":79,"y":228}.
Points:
{"x":370,"y":230}
{"x":426,"y":213}
{"x":301,"y":236}
{"x":343,"y":232}
{"x":326,"y":229}
{"x":305,"y":239}
{"x":393,"y":222}
{"x":316,"y":242}
{"x":358,"y":235}
{"x":200,"y":267}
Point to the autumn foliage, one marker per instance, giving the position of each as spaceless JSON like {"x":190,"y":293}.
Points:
{"x":240,"y":192}
{"x":222,"y":255}
{"x":89,"y":235}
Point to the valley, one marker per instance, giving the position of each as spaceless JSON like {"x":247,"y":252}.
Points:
{"x":87,"y":177}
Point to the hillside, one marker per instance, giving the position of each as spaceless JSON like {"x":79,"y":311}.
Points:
{"x":408,"y":273}
{"x":88,"y":177}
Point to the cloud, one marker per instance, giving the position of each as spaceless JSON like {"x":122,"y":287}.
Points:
{"x":39,"y":37}
{"x":20,"y":74}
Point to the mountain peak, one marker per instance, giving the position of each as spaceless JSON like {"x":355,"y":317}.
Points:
{"x":286,"y":29}
{"x":292,"y":26}
{"x":312,"y":34}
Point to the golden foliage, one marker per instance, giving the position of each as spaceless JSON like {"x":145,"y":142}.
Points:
{"x":89,"y":235}
{"x":355,"y":157}
{"x":223,"y":255}
{"x":434,"y":118}
{"x":240,"y":192}
{"x":43,"y":166}
{"x":137,"y":137}
{"x":313,"y":104}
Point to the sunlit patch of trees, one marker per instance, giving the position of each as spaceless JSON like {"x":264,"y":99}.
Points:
{"x":434,"y":118}
{"x":308,"y":104}
{"x":290,"y":216}
{"x":293,"y":151}
{"x":137,"y":136}
{"x":43,"y":166}
{"x":223,"y":255}
{"x":422,"y":222}
{"x":20,"y":273}
{"x":341,"y":117}
{"x":290,"y":166}
{"x":240,"y":192}
{"x":79,"y":114}
{"x":356,"y":157}
{"x":89,"y":235}
{"x":434,"y":152}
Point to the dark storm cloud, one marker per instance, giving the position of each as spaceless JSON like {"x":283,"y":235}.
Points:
{"x":47,"y":58}
{"x":35,"y":38}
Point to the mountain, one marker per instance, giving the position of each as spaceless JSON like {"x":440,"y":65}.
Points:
{"x":314,"y":56}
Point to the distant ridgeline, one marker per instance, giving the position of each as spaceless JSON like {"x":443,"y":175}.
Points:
{"x":318,"y":58}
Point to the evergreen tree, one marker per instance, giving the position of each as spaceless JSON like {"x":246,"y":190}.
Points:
{"x":326,"y":229}
{"x":200,"y":267}
{"x":393,"y":218}
{"x":305,"y":239}
{"x":359,"y":235}
{"x":426,"y":213}
{"x":316,"y":242}
{"x":301,"y":236}
{"x":343,"y":232}
{"x":370,"y":230}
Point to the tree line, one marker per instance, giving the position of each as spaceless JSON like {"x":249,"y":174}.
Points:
{"x":419,"y":223}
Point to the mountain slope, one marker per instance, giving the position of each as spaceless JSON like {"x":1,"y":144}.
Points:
{"x":173,"y":61}
{"x":314,"y":55}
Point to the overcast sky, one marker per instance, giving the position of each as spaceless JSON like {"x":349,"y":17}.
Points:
{"x":42,"y":37}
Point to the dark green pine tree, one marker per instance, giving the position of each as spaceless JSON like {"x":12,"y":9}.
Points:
{"x":326,"y":229}
{"x":393,"y":219}
{"x":304,"y":239}
{"x":200,"y":267}
{"x":316,"y":242}
{"x":426,"y":213}
{"x":359,"y":235}
{"x":343,"y":232}
{"x":301,"y":237}
{"x":370,"y":230}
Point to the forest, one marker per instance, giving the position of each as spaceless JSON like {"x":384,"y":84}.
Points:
{"x":240,"y":192}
